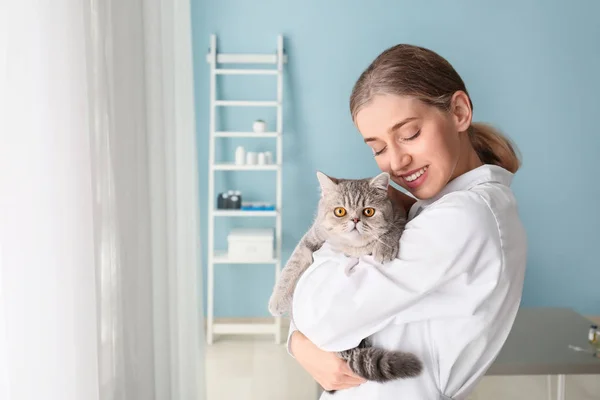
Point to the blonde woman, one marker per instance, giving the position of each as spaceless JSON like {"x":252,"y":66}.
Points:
{"x":451,"y":295}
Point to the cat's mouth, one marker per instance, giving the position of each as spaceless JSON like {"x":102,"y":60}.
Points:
{"x":355,"y":231}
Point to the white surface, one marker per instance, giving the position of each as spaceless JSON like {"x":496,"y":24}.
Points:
{"x":250,"y":244}
{"x":251,"y":234}
{"x":260,"y":126}
{"x":240,"y":155}
{"x":213,"y":58}
{"x":220,"y":71}
{"x":450,"y":296}
{"x":251,"y":158}
{"x":245,"y":103}
{"x":222,"y":257}
{"x":47,"y":205}
{"x":4,"y":376}
{"x":246,"y":167}
{"x":247,"y":134}
{"x":245,"y":213}
{"x":561,"y":390}
{"x":245,"y":329}
{"x":46,"y":216}
{"x":245,"y":58}
{"x":177,"y":285}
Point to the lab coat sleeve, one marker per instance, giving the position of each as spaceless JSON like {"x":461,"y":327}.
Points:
{"x":290,"y":332}
{"x":449,"y":262}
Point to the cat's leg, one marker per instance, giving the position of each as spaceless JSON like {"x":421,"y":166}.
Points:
{"x":387,"y":246}
{"x":281,"y":298}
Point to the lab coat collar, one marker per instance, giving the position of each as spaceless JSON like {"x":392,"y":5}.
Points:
{"x":482,"y":174}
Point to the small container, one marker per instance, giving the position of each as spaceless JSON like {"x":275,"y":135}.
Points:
{"x":593,"y":334}
{"x":251,"y":158}
{"x":239,"y":195}
{"x":221,"y":201}
{"x":268,"y":157}
{"x":262,"y":160}
{"x":247,"y":244}
{"x":225,"y":201}
{"x":240,"y":155}
{"x":259,"y":126}
{"x":230,"y":194}
{"x":236,"y":202}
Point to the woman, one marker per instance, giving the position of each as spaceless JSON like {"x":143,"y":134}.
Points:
{"x":451,"y":295}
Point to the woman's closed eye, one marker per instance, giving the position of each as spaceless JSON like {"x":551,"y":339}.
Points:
{"x":416,"y":135}
{"x":378,"y":152}
{"x":412,"y":137}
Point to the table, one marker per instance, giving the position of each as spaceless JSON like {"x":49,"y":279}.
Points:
{"x":538,"y":344}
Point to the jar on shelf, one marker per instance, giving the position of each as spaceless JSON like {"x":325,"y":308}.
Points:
{"x":259,"y":126}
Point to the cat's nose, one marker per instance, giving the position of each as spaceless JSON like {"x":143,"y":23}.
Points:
{"x":356,"y":220}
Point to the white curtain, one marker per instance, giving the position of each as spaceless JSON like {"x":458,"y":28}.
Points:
{"x":99,"y":241}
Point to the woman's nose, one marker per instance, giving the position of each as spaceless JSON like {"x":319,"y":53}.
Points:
{"x":399,"y":161}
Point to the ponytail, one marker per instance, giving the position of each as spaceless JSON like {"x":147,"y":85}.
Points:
{"x":493,"y":147}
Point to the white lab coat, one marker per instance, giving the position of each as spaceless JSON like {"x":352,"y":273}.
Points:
{"x":450,"y":296}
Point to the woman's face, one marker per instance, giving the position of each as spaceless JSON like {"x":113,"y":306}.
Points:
{"x":419,"y":145}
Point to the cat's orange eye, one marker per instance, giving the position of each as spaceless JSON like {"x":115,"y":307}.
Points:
{"x":369,"y":212}
{"x":339,"y":211}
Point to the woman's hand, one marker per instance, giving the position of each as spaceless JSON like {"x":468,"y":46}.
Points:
{"x":400,"y":198}
{"x":330,"y":371}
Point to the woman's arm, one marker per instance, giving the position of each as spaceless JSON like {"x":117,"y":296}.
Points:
{"x":449,"y":262}
{"x":330,"y":371}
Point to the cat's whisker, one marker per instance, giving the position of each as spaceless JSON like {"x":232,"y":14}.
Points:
{"x":377,"y":239}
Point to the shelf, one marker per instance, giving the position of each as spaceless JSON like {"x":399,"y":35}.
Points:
{"x":249,"y":329}
{"x":245,"y":213}
{"x":247,"y":134}
{"x":222,"y":71}
{"x":251,"y":66}
{"x":245,"y":103}
{"x":233,"y":58}
{"x":235,"y":167}
{"x":220,"y":257}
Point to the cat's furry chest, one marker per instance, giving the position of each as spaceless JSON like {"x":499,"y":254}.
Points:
{"x":359,"y":250}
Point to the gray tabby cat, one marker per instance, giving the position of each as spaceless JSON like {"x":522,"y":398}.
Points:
{"x":357,"y":218}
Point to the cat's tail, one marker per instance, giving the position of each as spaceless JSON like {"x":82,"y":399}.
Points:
{"x":381,"y":365}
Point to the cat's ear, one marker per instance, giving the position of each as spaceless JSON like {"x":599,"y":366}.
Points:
{"x":327,"y":183}
{"x":381,"y":181}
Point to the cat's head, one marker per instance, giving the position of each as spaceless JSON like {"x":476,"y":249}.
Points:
{"x":355,"y":210}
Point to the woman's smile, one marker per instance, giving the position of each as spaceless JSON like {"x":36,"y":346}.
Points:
{"x":415,"y":178}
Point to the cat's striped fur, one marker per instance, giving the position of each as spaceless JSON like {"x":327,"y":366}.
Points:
{"x":356,"y":235}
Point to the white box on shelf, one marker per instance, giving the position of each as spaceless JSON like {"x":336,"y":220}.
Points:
{"x":250,"y":244}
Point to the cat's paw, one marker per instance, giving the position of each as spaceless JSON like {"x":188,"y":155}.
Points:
{"x":278,"y":305}
{"x":384,"y":252}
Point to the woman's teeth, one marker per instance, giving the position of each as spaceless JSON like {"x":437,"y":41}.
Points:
{"x":414,"y":176}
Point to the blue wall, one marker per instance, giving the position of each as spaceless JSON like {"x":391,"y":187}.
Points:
{"x":531,"y":68}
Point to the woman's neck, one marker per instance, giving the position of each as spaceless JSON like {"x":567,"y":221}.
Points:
{"x":468,"y":159}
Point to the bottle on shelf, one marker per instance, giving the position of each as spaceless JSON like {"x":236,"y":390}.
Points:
{"x":240,"y":155}
{"x":593,"y":335}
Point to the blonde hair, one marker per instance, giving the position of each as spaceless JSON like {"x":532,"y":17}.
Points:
{"x":414,"y":71}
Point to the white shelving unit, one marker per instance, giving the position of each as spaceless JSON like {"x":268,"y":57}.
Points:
{"x":216,"y":257}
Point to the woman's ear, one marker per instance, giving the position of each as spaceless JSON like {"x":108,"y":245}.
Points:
{"x":460,"y":108}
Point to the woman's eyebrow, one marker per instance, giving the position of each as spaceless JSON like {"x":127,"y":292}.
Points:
{"x":394,"y":127}
{"x":399,"y":125}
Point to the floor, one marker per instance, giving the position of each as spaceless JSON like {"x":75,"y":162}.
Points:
{"x":257,"y":369}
